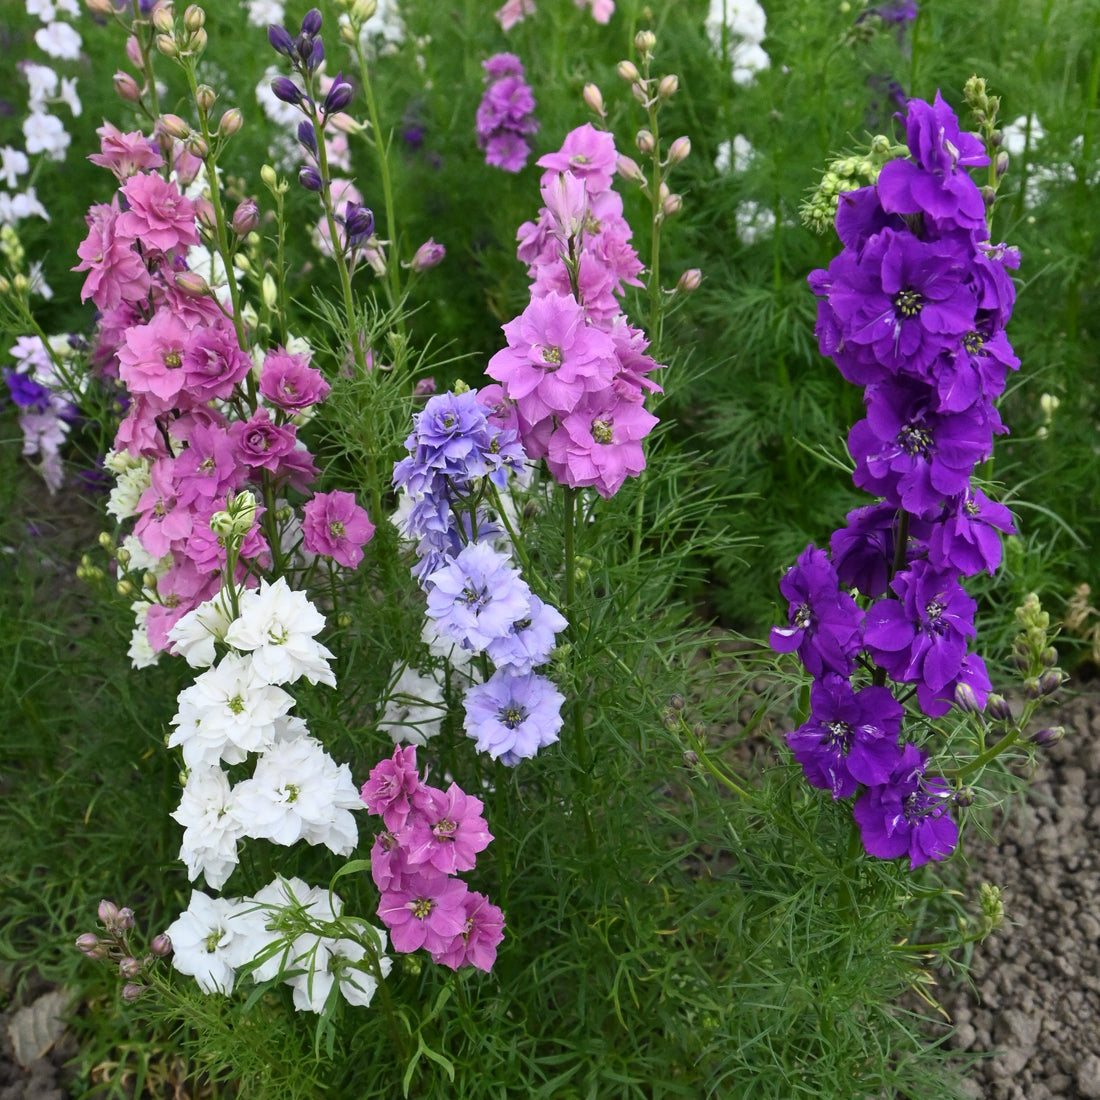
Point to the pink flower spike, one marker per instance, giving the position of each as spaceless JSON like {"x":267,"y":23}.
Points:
{"x":391,"y":788}
{"x":336,"y":527}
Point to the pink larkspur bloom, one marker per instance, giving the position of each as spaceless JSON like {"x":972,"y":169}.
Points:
{"x":125,"y":154}
{"x":116,"y":273}
{"x":429,"y":912}
{"x":150,"y":360}
{"x":334,"y":526}
{"x":586,"y":152}
{"x":261,"y":443}
{"x":482,"y":933}
{"x":289,"y":382}
{"x":158,"y":215}
{"x":513,"y":12}
{"x":213,"y":363}
{"x":393,"y":788}
{"x":448,"y":832}
{"x":602,"y":10}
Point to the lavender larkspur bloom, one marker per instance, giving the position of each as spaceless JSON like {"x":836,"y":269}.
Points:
{"x":825,"y":623}
{"x":477,"y":597}
{"x":512,"y":717}
{"x":921,"y":636}
{"x":850,"y":738}
{"x":909,"y":815}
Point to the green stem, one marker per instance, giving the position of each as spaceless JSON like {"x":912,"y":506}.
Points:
{"x":980,"y":761}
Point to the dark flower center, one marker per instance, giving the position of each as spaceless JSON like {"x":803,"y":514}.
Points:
{"x":802,"y":616}
{"x":933,"y":616}
{"x":971,"y":507}
{"x":475,"y":598}
{"x":839,"y":736}
{"x":973,"y":342}
{"x":908,"y":303}
{"x":915,"y":440}
{"x":513,"y":715}
{"x":422,"y":908}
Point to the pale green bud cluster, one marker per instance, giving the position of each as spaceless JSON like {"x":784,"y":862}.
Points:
{"x":843,"y":174}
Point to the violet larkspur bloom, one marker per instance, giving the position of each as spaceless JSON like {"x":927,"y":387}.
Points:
{"x":909,"y":815}
{"x":850,"y":738}
{"x":825,"y":623}
{"x":334,"y":526}
{"x":512,"y":717}
{"x":863,"y":551}
{"x":477,"y":597}
{"x":505,"y":115}
{"x":921,"y":636}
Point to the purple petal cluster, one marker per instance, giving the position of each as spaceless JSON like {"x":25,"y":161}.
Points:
{"x":913,"y":309}
{"x":505,"y":116}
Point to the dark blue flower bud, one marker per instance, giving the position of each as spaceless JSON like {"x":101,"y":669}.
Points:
{"x":286,"y":90}
{"x":1050,"y":736}
{"x":307,"y":135}
{"x":310,"y":178}
{"x":316,"y":55}
{"x":339,"y":95}
{"x":280,"y":39}
{"x":311,"y":22}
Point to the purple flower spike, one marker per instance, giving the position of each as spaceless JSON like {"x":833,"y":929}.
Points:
{"x":909,"y":815}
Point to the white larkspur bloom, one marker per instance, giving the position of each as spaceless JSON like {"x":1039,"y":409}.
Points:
{"x":13,"y":164}
{"x":37,"y":280}
{"x":298,"y":792}
{"x":736,"y":155}
{"x":744,"y":19}
{"x":122,"y":503}
{"x":203,"y":941}
{"x":140,"y":652}
{"x":754,"y":221}
{"x":42,"y":81}
{"x":58,"y":40}
{"x":264,"y":912}
{"x":23,"y":204}
{"x":194,"y":635}
{"x":229,"y":711}
{"x":210,"y":830}
{"x":330,"y":961}
{"x":749,"y":58}
{"x":68,"y":96}
{"x":278,"y":626}
{"x":415,"y":706}
{"x":44,"y":9}
{"x":45,"y":134}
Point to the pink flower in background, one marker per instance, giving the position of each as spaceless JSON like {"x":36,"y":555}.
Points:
{"x":289,"y":382}
{"x":602,"y":10}
{"x":505,"y":114}
{"x":334,"y":526}
{"x":513,"y":12}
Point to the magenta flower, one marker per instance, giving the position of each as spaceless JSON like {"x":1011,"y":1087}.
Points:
{"x":289,"y":382}
{"x":392,"y":788}
{"x":429,"y":911}
{"x":505,"y":114}
{"x":116,"y":273}
{"x":261,"y":443}
{"x":213,"y":363}
{"x":586,"y":152}
{"x":477,"y":944}
{"x":334,"y":526}
{"x":150,"y":361}
{"x":447,"y":833}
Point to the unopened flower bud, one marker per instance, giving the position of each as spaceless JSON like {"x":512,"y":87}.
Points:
{"x":269,"y":291}
{"x":126,"y":87}
{"x":677,"y":701}
{"x":131,"y":991}
{"x":628,"y":71}
{"x":690,"y":758}
{"x":197,"y":42}
{"x":310,"y":178}
{"x":100,"y":7}
{"x":1049,"y":657}
{"x":966,"y":698}
{"x":166,"y":44}
{"x":163,"y":20}
{"x":344,"y":620}
{"x":192,"y":284}
{"x":231,"y":122}
{"x":670,"y":719}
{"x":175,"y":126}
{"x":671,"y":204}
{"x":689,"y":281}
{"x":645,"y":142}
{"x":640,"y":93}
{"x":129,"y":967}
{"x":1000,"y":163}
{"x":629,"y":170}
{"x":122,"y":556}
{"x":1051,"y":680}
{"x":593,"y":99}
{"x":197,"y":147}
{"x":206,"y":215}
{"x":964,"y":797}
{"x":126,"y":918}
{"x":107,"y":912}
{"x":679,"y":150}
{"x":668,"y":86}
{"x":124,"y":588}
{"x":205,"y":98}
{"x":645,"y":41}
{"x":348,"y":34}
{"x":149,"y":581}
{"x":161,"y":945}
{"x":194,"y":18}
{"x":989,"y":196}
{"x":430,"y":254}
{"x":89,"y":944}
{"x":133,"y":52}
{"x":1049,"y":736}
{"x":246,"y":217}
{"x":1032,"y":687}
